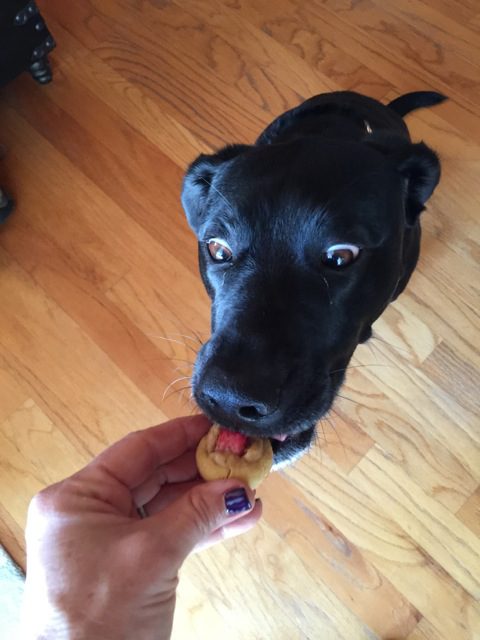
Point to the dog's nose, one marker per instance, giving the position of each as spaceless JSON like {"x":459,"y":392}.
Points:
{"x":237,"y":405}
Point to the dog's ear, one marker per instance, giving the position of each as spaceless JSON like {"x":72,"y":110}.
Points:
{"x":420,"y":167}
{"x":199,"y":179}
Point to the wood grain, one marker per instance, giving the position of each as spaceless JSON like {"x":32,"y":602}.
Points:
{"x":373,"y":534}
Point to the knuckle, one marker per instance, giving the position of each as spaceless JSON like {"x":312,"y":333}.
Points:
{"x":48,"y":500}
{"x":42,"y":502}
{"x":201,"y":511}
{"x":40,"y":510}
{"x":222,"y":533}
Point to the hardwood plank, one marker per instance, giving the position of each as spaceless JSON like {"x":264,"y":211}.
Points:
{"x":445,"y":30}
{"x":321,"y":68}
{"x":371,"y":46}
{"x":404,"y":434}
{"x":455,"y":376}
{"x":34,"y":453}
{"x":78,"y":292}
{"x":436,"y":530}
{"x":309,"y":603}
{"x":94,"y":402}
{"x":461,"y":11}
{"x":12,"y":537}
{"x":362,"y":518}
{"x":140,"y":111}
{"x":338,"y":563}
{"x":159,"y":69}
{"x":415,"y":40}
{"x":460,"y":425}
{"x":425,"y":631}
{"x":342,"y":440}
{"x":469,"y":513}
{"x":12,"y":396}
{"x":374,"y":533}
{"x":119,"y":162}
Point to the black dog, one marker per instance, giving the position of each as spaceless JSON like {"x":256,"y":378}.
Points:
{"x":304,"y":239}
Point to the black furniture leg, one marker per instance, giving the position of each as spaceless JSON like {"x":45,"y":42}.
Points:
{"x":41,"y":71}
{"x":6,"y":206}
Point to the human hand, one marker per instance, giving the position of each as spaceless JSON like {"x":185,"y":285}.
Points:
{"x":95,"y":568}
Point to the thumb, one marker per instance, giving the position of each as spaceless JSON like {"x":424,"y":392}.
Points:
{"x":206,"y":514}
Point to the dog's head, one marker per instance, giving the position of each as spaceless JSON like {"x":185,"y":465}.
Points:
{"x":302,"y":245}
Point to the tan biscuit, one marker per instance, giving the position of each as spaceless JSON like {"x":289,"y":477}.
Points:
{"x":252,"y":467}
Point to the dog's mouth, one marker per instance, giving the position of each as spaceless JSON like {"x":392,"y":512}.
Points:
{"x":289,"y":447}
{"x":289,"y":425}
{"x":287,"y":444}
{"x":286,"y":447}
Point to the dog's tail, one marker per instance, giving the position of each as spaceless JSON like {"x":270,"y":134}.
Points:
{"x":415,"y":100}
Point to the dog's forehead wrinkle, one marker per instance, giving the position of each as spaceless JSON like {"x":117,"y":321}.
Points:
{"x":222,"y":222}
{"x":308,"y":157}
{"x":284,"y":212}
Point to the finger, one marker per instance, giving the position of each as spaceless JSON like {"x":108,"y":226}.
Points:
{"x":191,"y":520}
{"x":233,"y":529}
{"x":168,"y":494}
{"x":133,"y":459}
{"x":178,"y":471}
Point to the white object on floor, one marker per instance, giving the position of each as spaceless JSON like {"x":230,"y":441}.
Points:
{"x":11,"y":594}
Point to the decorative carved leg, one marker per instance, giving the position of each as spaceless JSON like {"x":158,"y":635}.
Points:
{"x":41,"y":71}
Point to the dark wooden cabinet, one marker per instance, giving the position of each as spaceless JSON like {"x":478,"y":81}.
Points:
{"x":25,"y":41}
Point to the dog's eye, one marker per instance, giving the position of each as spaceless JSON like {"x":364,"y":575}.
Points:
{"x":340,"y":255}
{"x":219,"y":250}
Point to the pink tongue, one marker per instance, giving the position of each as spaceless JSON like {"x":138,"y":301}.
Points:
{"x":281,"y":436}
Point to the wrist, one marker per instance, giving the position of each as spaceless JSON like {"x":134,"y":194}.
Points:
{"x":61,"y":622}
{"x":47,"y":621}
{"x":58,"y":627}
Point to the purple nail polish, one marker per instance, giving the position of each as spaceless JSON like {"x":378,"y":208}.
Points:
{"x":237,"y":501}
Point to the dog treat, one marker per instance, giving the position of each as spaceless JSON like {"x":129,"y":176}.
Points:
{"x":224,"y":454}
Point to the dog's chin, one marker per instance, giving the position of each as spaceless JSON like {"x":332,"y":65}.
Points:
{"x":293,"y":447}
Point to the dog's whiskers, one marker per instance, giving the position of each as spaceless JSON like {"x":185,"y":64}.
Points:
{"x":184,"y":344}
{"x":196,"y":334}
{"x":370,"y":347}
{"x":183,"y":371}
{"x":323,"y":431}
{"x":187,"y":362}
{"x":188,"y":400}
{"x":195,"y":339}
{"x":188,"y":386}
{"x":219,"y":193}
{"x":357,"y":366}
{"x":330,"y":422}
{"x":350,"y":399}
{"x":194,"y":409}
{"x":172,"y":383}
{"x":180,"y":390}
{"x":390,"y":344}
{"x":318,"y":443}
{"x":328,"y":289}
{"x":183,"y":360}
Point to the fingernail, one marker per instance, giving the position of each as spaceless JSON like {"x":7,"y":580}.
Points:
{"x":236,"y":501}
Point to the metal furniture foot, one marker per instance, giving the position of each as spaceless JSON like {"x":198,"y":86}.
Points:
{"x":41,"y":70}
{"x":6,"y":206}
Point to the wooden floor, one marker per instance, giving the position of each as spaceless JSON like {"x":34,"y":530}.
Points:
{"x":374,"y":534}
